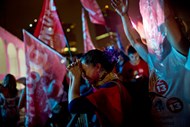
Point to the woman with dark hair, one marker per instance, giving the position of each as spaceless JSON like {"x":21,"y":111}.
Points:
{"x":9,"y":113}
{"x":9,"y":85}
{"x":108,"y":98}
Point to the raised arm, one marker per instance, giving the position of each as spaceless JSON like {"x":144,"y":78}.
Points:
{"x":174,"y":34}
{"x":75,"y":80}
{"x":134,"y":38}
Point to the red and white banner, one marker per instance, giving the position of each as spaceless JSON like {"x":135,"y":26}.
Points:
{"x":45,"y":73}
{"x":88,"y":45}
{"x":94,"y":11}
{"x":49,"y":28}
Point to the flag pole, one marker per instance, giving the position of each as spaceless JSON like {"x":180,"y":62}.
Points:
{"x":69,"y":50}
{"x":108,"y":28}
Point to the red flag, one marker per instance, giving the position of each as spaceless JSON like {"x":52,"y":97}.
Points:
{"x":94,"y":11}
{"x":49,"y":29}
{"x":88,"y":45}
{"x":45,"y":74}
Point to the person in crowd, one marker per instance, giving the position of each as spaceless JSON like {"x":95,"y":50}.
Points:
{"x":9,"y":113}
{"x":169,"y":77}
{"x":108,"y":98}
{"x":135,"y":68}
{"x":123,"y":58}
{"x":135,"y":75}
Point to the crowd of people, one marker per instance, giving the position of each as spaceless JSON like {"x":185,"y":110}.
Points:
{"x":168,"y":82}
{"x":105,"y":89}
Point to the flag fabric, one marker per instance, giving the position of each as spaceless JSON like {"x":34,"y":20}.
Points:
{"x":153,"y":24}
{"x":49,"y":28}
{"x":94,"y":11}
{"x":45,"y":73}
{"x":88,"y":45}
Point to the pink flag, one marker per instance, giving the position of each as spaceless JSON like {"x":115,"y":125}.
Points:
{"x":153,"y":24}
{"x":45,"y":73}
{"x":49,"y":29}
{"x":88,"y":45}
{"x":94,"y":11}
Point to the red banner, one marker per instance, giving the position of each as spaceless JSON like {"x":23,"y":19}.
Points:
{"x":49,"y":29}
{"x":45,"y":73}
{"x":88,"y":45}
{"x":94,"y":11}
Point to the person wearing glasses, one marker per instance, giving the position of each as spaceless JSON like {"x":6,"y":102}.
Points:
{"x":108,"y":97}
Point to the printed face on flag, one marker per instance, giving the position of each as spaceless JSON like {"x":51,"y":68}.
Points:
{"x":49,"y":28}
{"x":45,"y":74}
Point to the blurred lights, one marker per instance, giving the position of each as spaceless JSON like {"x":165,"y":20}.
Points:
{"x":72,"y":26}
{"x":50,"y":29}
{"x":35,"y":20}
{"x":30,"y":25}
{"x":105,"y":35}
{"x":73,"y":49}
{"x":68,"y":29}
{"x":106,"y":6}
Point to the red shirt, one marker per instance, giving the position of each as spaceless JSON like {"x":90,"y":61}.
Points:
{"x":130,"y":71}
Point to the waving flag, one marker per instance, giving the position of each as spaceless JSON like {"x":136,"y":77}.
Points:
{"x":94,"y":11}
{"x":153,"y":24}
{"x":88,"y":45}
{"x":45,"y":74}
{"x":49,"y":29}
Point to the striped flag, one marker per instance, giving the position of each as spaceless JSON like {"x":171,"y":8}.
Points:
{"x":49,"y":28}
{"x":94,"y":11}
{"x":45,"y":73}
{"x":88,"y":45}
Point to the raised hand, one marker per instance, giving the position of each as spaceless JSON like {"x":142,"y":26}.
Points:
{"x":120,"y":6}
{"x":74,"y":70}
